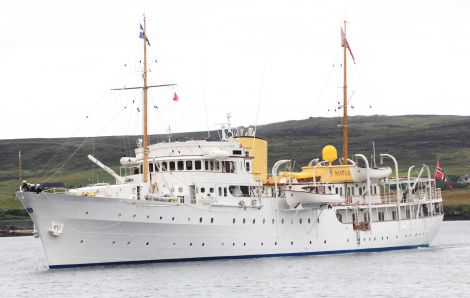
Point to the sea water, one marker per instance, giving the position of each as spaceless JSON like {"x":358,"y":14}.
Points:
{"x":442,"y":270}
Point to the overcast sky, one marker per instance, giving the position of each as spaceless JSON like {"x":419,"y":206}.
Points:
{"x":264,"y":61}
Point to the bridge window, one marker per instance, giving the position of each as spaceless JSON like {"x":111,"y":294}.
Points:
{"x":206,"y":165}
{"x":197,"y":165}
{"x":172,"y":165}
{"x":164,"y":166}
{"x":180,"y":165}
{"x":247,"y":166}
{"x":151,"y":167}
{"x":381,"y":216}
{"x":189,"y":165}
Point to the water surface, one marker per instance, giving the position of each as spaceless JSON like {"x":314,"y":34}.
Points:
{"x":442,"y":270}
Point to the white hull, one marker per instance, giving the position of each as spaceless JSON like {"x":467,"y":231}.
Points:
{"x":95,"y":230}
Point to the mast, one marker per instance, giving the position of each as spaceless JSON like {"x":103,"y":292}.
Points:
{"x":145,"y":145}
{"x":345,"y":103}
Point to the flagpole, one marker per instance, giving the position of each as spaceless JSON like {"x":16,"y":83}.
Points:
{"x":345,"y":103}
{"x":19,"y":159}
{"x":145,"y":145}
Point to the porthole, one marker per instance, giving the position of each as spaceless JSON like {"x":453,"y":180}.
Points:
{"x":174,"y":243}
{"x":308,"y":220}
{"x":86,"y":213}
{"x":243,"y":220}
{"x":114,"y":242}
{"x":119,"y":214}
{"x":347,"y":240}
{"x":128,"y":242}
{"x":387,"y":237}
{"x":233,"y":244}
{"x":161,"y":217}
{"x":191,"y":244}
{"x":382,"y":238}
{"x":202,"y":244}
{"x":212,"y":220}
{"x":300,"y":220}
{"x":273,"y":221}
{"x":200,"y":219}
{"x":222,"y":244}
{"x":172,"y":218}
{"x":254,"y":220}
{"x":291,"y":221}
{"x":133,"y":216}
{"x":324,"y":241}
{"x":148,"y":216}
{"x":275,"y":243}
{"x":282,"y":221}
{"x":310,"y":241}
{"x":292,"y":243}
{"x":244,"y":243}
{"x":262,"y":243}
{"x":189,"y":218}
{"x":233,"y":220}
{"x":81,"y":241}
{"x":147,"y":243}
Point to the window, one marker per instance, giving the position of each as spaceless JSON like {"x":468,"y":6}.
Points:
{"x":381,"y":216}
{"x":189,"y":165}
{"x":180,"y":165}
{"x":216,"y":166}
{"x":225,"y":191}
{"x":247,"y":166}
{"x":164,"y":166}
{"x":151,"y":167}
{"x":211,"y":190}
{"x":394,"y":215}
{"x":340,"y":191}
{"x":220,"y":191}
{"x":237,"y":152}
{"x":408,"y":214}
{"x":197,"y":165}
{"x":203,"y":190}
{"x":172,"y":165}
{"x":157,"y":166}
{"x":360,"y":191}
{"x":206,"y":165}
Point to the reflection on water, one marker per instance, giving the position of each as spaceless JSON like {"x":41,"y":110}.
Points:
{"x":443,"y":269}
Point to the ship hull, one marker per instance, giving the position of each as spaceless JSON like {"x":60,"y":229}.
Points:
{"x":83,"y":231}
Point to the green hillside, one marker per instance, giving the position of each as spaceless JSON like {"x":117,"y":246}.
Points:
{"x":412,"y":139}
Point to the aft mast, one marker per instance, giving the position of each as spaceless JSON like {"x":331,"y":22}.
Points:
{"x":145,"y":145}
{"x":345,"y":99}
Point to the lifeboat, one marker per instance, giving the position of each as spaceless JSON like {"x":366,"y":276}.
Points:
{"x":312,"y":196}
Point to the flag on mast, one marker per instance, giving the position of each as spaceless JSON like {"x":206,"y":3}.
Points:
{"x":442,"y":176}
{"x":175,"y":97}
{"x":345,"y":44}
{"x":141,"y":34}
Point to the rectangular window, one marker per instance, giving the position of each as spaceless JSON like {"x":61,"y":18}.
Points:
{"x":216,"y":166}
{"x":237,"y":152}
{"x":206,"y":165}
{"x":180,"y":165}
{"x":197,"y":165}
{"x":394,"y":215}
{"x":360,"y":191}
{"x":408,"y":214}
{"x":248,"y":166}
{"x":220,"y":191}
{"x":172,"y":165}
{"x":225,"y":191}
{"x":340,"y":191}
{"x":189,"y":165}
{"x":164,"y":166}
{"x":211,"y":164}
{"x":381,"y":216}
{"x":151,"y":168}
{"x":157,"y":166}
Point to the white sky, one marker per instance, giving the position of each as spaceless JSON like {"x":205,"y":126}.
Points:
{"x":58,"y":60}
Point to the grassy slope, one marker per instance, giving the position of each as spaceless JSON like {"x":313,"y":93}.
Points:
{"x":411,"y":139}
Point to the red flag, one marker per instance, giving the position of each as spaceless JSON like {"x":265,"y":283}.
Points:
{"x":441,"y":176}
{"x":344,"y":43}
{"x":175,"y":96}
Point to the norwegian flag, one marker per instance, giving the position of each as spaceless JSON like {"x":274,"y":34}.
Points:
{"x":345,"y":44}
{"x":442,"y":176}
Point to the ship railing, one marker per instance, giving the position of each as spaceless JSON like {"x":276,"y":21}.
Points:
{"x":56,"y":190}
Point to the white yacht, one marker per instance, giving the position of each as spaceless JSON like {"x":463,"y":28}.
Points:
{"x":205,"y":199}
